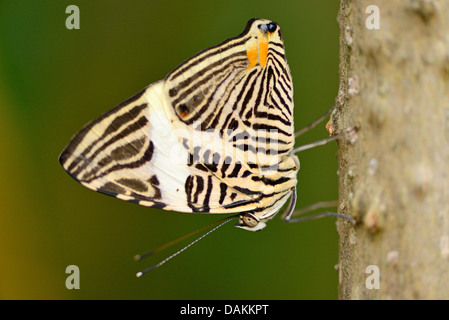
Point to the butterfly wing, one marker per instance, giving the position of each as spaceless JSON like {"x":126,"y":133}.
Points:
{"x":132,"y":153}
{"x":214,"y":136}
{"x":236,"y":102}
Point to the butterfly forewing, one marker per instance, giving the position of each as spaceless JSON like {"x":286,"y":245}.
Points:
{"x":238,"y":106}
{"x":214,"y":136}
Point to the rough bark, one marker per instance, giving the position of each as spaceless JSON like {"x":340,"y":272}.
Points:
{"x":394,"y":172}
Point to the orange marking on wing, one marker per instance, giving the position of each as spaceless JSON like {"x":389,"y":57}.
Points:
{"x":184,"y":114}
{"x":263,"y":50}
{"x":252,"y":57}
{"x":257,"y":51}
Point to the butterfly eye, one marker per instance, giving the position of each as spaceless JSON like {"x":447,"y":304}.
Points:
{"x":263,"y":27}
{"x":271,"y":27}
{"x":250,"y":220}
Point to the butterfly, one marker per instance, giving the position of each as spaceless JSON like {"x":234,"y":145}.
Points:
{"x":215,"y":136}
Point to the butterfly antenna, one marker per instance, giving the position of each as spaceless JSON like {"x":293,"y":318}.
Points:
{"x":139,"y":257}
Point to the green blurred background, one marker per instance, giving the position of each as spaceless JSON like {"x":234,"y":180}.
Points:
{"x":54,"y":80}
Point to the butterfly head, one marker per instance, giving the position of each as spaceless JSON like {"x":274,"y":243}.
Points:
{"x":268,"y":28}
{"x":263,"y":35}
{"x":249,"y":221}
{"x":265,"y":26}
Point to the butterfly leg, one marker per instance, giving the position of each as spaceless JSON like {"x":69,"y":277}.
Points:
{"x":347,"y":132}
{"x":318,"y":143}
{"x":316,"y":122}
{"x":290,"y":212}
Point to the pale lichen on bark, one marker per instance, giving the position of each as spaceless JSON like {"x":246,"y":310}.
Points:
{"x":394,"y":176}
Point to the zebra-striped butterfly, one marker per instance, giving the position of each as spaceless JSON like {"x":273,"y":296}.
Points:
{"x":214,"y":136}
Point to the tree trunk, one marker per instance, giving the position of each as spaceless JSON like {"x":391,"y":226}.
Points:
{"x":394,"y":171}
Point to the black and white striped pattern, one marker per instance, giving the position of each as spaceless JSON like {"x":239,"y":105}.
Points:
{"x":215,"y":136}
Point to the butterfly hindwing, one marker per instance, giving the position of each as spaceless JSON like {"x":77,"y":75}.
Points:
{"x":132,"y":153}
